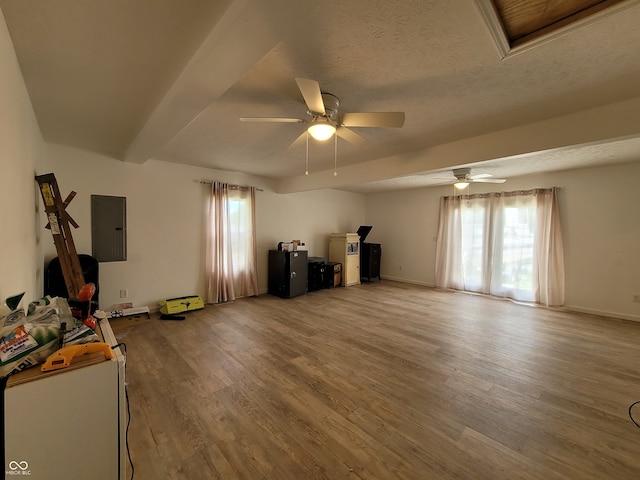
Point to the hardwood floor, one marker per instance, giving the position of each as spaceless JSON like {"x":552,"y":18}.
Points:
{"x":383,"y":381}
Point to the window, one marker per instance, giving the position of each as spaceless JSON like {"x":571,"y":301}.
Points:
{"x":515,"y":258}
{"x":239,"y":231}
{"x":503,"y":244}
{"x":230,"y":261}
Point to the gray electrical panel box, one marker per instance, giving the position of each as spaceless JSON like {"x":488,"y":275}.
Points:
{"x":109,"y":228}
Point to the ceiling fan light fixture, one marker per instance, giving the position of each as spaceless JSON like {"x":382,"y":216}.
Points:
{"x":321,"y":129}
{"x":461,"y":185}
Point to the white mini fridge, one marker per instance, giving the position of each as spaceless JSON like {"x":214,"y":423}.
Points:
{"x":69,"y":424}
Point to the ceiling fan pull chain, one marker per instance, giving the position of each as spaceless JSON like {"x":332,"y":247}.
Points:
{"x":306,"y":172}
{"x":335,"y":157}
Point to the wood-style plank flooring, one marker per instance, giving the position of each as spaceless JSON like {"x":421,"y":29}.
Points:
{"x":383,"y":381}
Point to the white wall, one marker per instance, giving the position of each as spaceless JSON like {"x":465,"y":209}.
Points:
{"x":165,"y":217}
{"x":21,"y":151}
{"x":601,"y":229}
{"x":404,"y":223}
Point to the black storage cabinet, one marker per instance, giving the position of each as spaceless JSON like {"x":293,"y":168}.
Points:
{"x":287,"y":273}
{"x":316,"y":279}
{"x":370,"y":255}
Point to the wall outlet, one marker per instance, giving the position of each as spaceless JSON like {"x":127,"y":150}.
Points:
{"x":636,"y":298}
{"x":124,"y":293}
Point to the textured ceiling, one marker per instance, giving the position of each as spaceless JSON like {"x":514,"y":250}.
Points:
{"x":169,"y":79}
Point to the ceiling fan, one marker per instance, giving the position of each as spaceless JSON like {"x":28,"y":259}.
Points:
{"x":325,"y":119}
{"x":464,"y":178}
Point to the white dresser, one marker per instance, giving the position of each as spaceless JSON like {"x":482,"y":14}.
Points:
{"x":344,"y":248}
{"x":69,"y":424}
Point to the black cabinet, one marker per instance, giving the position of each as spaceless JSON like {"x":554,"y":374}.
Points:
{"x":370,"y":255}
{"x":317,"y":268}
{"x":323,"y":274}
{"x":287,"y":273}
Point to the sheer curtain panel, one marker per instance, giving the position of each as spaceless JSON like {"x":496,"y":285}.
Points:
{"x":505,"y":244}
{"x":230,"y":258}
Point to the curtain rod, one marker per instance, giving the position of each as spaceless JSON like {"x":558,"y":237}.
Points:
{"x":232,"y":185}
{"x":513,"y":193}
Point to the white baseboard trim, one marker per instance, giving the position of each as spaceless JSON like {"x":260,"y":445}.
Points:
{"x":602,"y":313}
{"x":404,"y":280}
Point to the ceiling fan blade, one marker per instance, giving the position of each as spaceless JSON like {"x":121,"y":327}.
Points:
{"x":488,"y":180}
{"x":271,"y":119}
{"x":373,"y":119}
{"x":310,"y":90}
{"x":302,"y":138}
{"x":480,"y":175}
{"x":351,"y":136}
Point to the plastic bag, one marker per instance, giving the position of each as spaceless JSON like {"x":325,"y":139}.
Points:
{"x":26,"y":341}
